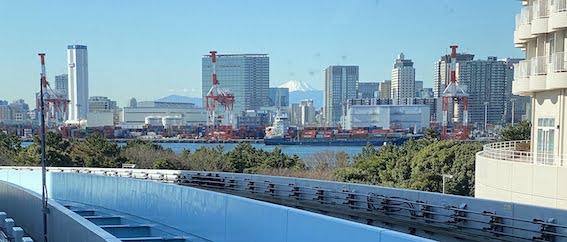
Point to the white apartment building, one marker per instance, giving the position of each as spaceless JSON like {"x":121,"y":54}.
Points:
{"x":534,"y":171}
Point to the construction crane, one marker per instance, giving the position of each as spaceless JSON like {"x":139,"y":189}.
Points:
{"x":56,"y":105}
{"x":219,"y":125}
{"x":452,"y":96}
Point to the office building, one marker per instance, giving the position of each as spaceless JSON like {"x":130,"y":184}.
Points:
{"x":278,"y":97}
{"x":485,"y":82}
{"x":78,"y":85}
{"x":246,"y":76}
{"x":340,"y":85}
{"x":403,"y":81}
{"x":101,"y":104}
{"x":418,"y":88}
{"x":307,"y":112}
{"x":533,"y":171}
{"x":385,"y":88}
{"x":442,"y":77}
{"x":368,"y":90}
{"x":514,"y":103}
{"x":62,"y":85}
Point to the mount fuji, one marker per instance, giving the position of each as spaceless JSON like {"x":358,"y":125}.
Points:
{"x":300,"y":90}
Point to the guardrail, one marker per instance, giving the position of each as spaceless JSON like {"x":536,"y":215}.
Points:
{"x":509,"y":151}
{"x":426,"y":214}
{"x":559,"y":62}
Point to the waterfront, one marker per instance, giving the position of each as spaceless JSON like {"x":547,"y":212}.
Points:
{"x":301,"y":151}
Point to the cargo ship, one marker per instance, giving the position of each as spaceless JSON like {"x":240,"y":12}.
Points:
{"x":280,"y":134}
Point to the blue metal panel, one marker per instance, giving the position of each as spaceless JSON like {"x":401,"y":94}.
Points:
{"x":393,"y":236}
{"x":204,"y":213}
{"x":160,"y":194}
{"x":253,"y":221}
{"x":306,"y":226}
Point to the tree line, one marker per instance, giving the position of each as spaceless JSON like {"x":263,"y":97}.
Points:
{"x":417,"y":164}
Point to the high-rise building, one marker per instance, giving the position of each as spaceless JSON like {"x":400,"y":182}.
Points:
{"x":340,"y":85}
{"x":307,"y":112}
{"x":418,"y":88}
{"x":78,"y":84}
{"x":403,"y":81}
{"x":442,"y":77}
{"x":246,"y":76}
{"x":385,"y":89}
{"x":368,"y":89}
{"x":514,"y":103}
{"x":279,"y":97}
{"x":485,"y":82}
{"x":62,"y":85}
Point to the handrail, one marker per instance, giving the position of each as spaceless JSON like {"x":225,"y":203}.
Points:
{"x":508,"y":151}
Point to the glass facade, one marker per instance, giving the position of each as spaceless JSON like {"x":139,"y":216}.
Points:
{"x":246,"y":76}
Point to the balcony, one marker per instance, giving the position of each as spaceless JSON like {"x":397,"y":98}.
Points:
{"x":558,"y":15}
{"x":521,"y":78}
{"x":540,"y":17}
{"x":510,"y":151}
{"x":558,"y":76}
{"x":538,"y":73}
{"x":503,"y":172}
{"x":523,"y":23}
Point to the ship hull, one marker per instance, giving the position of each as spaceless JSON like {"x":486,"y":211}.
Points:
{"x":336,"y":142}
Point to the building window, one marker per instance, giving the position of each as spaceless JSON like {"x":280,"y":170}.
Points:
{"x":545,"y":140}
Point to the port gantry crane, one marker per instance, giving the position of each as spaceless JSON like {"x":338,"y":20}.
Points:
{"x":452,"y":96}
{"x":216,"y":128}
{"x":55,"y":104}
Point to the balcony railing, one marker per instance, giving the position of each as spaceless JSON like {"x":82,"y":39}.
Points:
{"x":522,"y":69}
{"x":526,"y":15}
{"x":539,"y":65}
{"x":541,"y":9}
{"x":559,"y":62}
{"x":559,"y":6}
{"x":509,"y":151}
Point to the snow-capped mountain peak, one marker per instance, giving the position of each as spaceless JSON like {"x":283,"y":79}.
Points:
{"x":294,"y":85}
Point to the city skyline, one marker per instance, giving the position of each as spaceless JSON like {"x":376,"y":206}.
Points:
{"x":129,"y":51}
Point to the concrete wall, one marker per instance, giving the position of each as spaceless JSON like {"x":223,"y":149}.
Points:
{"x":517,"y":182}
{"x":210,"y":215}
{"x":25,"y":207}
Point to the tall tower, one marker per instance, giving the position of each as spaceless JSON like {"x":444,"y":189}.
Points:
{"x":341,"y":84}
{"x":403,"y":81}
{"x":78,"y":68}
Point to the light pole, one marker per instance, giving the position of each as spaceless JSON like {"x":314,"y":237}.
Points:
{"x":445,"y":177}
{"x":513,"y":102}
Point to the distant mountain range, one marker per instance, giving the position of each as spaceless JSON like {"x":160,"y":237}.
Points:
{"x":298,"y":90}
{"x":182,"y":99}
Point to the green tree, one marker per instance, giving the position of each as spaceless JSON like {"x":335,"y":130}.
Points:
{"x":522,"y":131}
{"x":96,"y":151}
{"x":56,"y":152}
{"x":10,"y":146}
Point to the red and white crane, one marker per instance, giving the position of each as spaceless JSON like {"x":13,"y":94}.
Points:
{"x":56,"y":104}
{"x":219,"y":126}
{"x":454,"y":94}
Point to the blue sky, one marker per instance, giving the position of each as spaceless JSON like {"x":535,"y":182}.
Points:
{"x":150,"y":49}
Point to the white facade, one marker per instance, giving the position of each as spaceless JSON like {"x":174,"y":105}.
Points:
{"x":100,"y":119}
{"x":307,"y":112}
{"x":537,"y":176}
{"x":78,"y":75}
{"x":136,"y":117}
{"x":388,"y":116}
{"x":403,"y":81}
